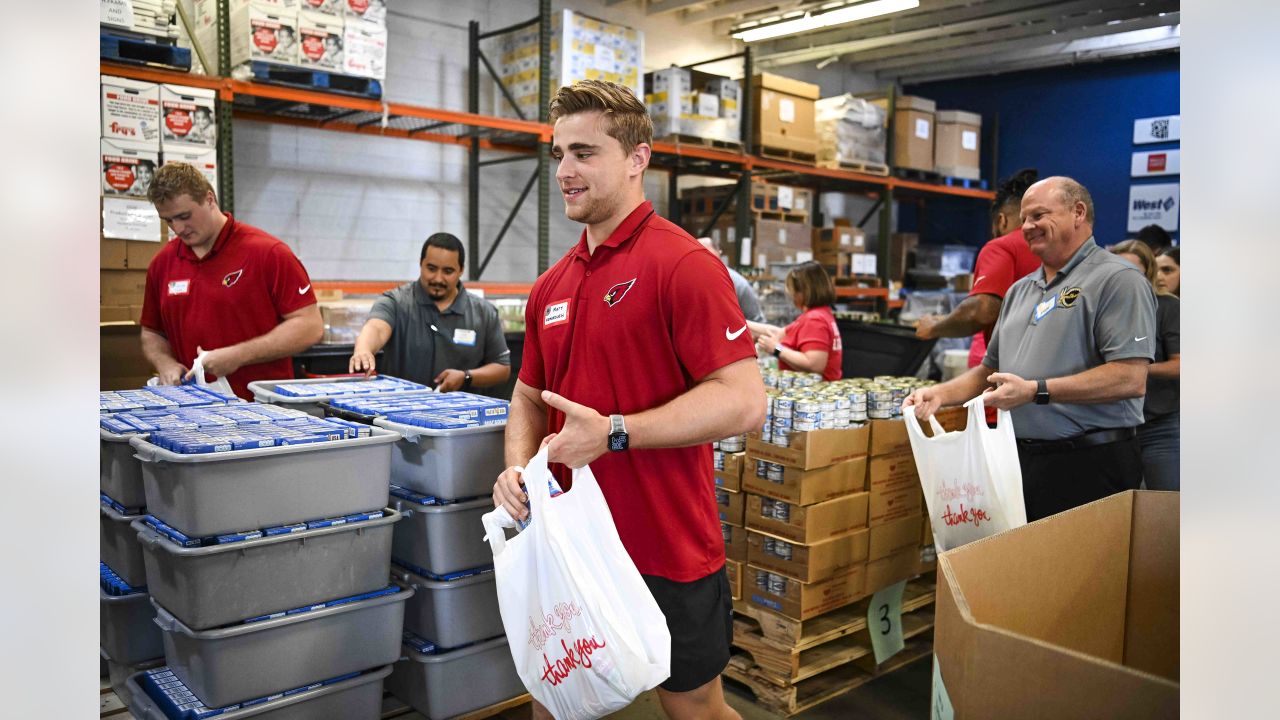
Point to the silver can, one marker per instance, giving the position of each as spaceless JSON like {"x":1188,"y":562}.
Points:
{"x":769,"y":546}
{"x":781,"y":511}
{"x":777,"y":584}
{"x":774,"y":473}
{"x":782,"y":549}
{"x":727,"y":530}
{"x":762,"y":580}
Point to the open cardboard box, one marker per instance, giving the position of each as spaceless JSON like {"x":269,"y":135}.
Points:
{"x":1073,"y":616}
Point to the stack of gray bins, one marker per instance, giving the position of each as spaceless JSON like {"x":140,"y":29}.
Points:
{"x":456,"y":658}
{"x":267,"y":571}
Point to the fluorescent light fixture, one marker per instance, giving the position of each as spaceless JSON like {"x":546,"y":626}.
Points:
{"x":810,"y":21}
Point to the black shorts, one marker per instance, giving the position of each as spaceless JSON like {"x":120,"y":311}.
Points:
{"x":700,"y":618}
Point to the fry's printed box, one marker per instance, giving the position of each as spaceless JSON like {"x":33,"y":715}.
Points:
{"x":204,"y":159}
{"x":130,"y":110}
{"x":128,"y":167}
{"x":333,"y":8}
{"x":364,"y":49}
{"x":368,"y":10}
{"x":321,"y":38}
{"x":187,"y":116}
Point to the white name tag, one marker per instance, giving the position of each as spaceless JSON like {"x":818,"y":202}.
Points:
{"x":179,"y":287}
{"x":555,"y":313}
{"x":1045,"y":308}
{"x":462,"y":336}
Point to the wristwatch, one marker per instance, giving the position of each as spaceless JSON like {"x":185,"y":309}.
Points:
{"x":618,"y":438}
{"x":1042,"y":392}
{"x":777,"y":351}
{"x":466,"y":379}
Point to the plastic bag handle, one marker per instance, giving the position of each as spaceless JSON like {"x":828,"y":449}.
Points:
{"x":494,"y":521}
{"x":914,"y":423}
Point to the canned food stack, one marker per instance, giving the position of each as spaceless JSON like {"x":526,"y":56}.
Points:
{"x":730,"y":463}
{"x":129,"y":638}
{"x":442,"y":473}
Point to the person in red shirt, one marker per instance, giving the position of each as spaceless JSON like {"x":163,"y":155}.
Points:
{"x":636,"y":358}
{"x":812,"y":342}
{"x":224,"y":289}
{"x":1000,"y":263}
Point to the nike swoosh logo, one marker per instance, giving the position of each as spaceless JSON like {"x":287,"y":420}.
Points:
{"x":731,"y":336}
{"x":303,"y":290}
{"x":980,"y":278}
{"x":1140,"y":339}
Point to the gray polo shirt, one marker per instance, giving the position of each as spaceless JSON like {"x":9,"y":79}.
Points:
{"x":469,"y":333}
{"x":1098,"y":309}
{"x":747,"y":299}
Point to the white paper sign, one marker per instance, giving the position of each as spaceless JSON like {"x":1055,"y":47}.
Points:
{"x":782,"y":236}
{"x":129,"y":219}
{"x":708,"y":104}
{"x":940,"y":707}
{"x":1153,"y":205}
{"x":1166,"y":128}
{"x":1155,"y":162}
{"x":116,"y":12}
{"x":884,"y":621}
{"x":922,"y":129}
{"x":785,"y":197}
{"x":744,"y":251}
{"x":845,"y":239}
{"x":803,"y":256}
{"x":786,"y":110}
{"x":969,"y":140}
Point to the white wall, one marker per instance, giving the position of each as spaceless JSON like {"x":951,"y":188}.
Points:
{"x":355,"y":207}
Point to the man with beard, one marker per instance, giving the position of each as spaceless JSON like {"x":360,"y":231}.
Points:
{"x":432,"y":330}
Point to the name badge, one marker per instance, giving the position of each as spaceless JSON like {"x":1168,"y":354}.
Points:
{"x":462,"y":336}
{"x":179,"y":287}
{"x":555,"y":313}
{"x":1044,"y":308}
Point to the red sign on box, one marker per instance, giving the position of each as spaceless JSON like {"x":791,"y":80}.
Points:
{"x":1156,"y":162}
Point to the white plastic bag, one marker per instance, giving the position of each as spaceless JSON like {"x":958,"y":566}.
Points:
{"x":221,"y":385}
{"x":971,"y":479}
{"x":586,"y":634}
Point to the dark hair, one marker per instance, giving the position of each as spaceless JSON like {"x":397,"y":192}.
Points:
{"x":1171,"y":251}
{"x":1155,"y":237}
{"x":812,"y":284}
{"x":1012,"y":189}
{"x":445,"y":241}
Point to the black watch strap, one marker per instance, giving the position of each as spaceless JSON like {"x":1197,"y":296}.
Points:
{"x":1042,"y":392}
{"x":466,"y":379}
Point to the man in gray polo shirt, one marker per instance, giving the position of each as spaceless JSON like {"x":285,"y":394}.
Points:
{"x":1068,"y":357}
{"x":432,"y":330}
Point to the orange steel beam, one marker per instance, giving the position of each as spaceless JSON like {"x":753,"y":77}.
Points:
{"x":857,"y":292}
{"x":374,"y":287}
{"x":702,"y":153}
{"x":150,"y":74}
{"x":942,"y":189}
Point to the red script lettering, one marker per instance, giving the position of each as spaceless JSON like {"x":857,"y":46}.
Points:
{"x":577,"y":656}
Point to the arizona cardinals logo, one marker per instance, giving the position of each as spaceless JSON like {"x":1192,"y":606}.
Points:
{"x":232,"y":278}
{"x":617,"y":292}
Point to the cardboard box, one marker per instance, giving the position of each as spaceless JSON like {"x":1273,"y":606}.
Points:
{"x":734,"y":467}
{"x":731,"y":506}
{"x":333,"y":8}
{"x":122,"y":287}
{"x":893,"y":537}
{"x":188,"y":116}
{"x":779,"y":241}
{"x":120,"y":313}
{"x":733,"y":571}
{"x":806,"y":487}
{"x":204,"y":159}
{"x":902,"y":565}
{"x":809,"y":563}
{"x":114,"y":254}
{"x":888,"y":504}
{"x":121,"y":363}
{"x":728,"y":481}
{"x":913,"y":132}
{"x":130,"y":110}
{"x":364,"y":49}
{"x":784,"y":114}
{"x":366,"y":10}
{"x":956,"y":149}
{"x":139,"y":253}
{"x":128,"y":167}
{"x":841,"y":238}
{"x":890,"y":436}
{"x":812,"y":449}
{"x":320,"y":40}
{"x":682,"y":101}
{"x":893,"y":471}
{"x":1076,"y":615}
{"x":801,"y":601}
{"x":901,"y":246}
{"x":735,"y":548}
{"x":808,"y":524}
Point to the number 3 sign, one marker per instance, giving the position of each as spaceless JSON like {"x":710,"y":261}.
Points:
{"x":884,"y":621}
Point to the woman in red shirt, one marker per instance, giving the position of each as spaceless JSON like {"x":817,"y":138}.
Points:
{"x":812,"y":342}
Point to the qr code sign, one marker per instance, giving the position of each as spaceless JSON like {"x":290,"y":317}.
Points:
{"x":1160,"y":128}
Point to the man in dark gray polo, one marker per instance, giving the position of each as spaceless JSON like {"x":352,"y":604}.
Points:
{"x":434,"y":332}
{"x":1068,"y":357}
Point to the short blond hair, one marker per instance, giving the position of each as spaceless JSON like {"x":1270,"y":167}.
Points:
{"x":628,"y":119}
{"x":178,"y":178}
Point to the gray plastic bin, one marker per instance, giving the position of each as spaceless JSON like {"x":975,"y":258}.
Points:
{"x":127,"y":629}
{"x":264,"y":391}
{"x":447,"y":464}
{"x":211,"y":586}
{"x":450,"y":613}
{"x":214,"y":493}
{"x":119,"y":548}
{"x":458,"y":681}
{"x":359,"y":698}
{"x":119,"y":472}
{"x":118,"y":674}
{"x":442,"y":539}
{"x":243,"y":662}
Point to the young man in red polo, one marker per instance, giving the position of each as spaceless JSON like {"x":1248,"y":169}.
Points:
{"x":636,"y":357}
{"x":223,"y":287}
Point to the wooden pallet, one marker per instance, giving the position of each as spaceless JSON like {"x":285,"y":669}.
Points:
{"x":394,"y":707}
{"x":803,"y":634}
{"x":866,"y":168}
{"x":918,"y":175}
{"x":794,"y":156}
{"x":791,"y":699}
{"x":111,"y":706}
{"x":713,"y":143}
{"x":786,"y":216}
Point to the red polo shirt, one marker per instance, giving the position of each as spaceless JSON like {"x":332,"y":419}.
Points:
{"x":625,"y":330}
{"x":241,"y":290}
{"x":1001,"y":262}
{"x":816,"y":329}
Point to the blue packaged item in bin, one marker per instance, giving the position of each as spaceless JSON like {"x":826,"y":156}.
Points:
{"x":422,"y":645}
{"x":113,"y":584}
{"x":161,"y":397}
{"x":431,"y":420}
{"x":177,"y":702}
{"x":380,"y":384}
{"x":389,"y":590}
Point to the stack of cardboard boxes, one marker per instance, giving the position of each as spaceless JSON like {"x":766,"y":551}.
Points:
{"x":688,"y":104}
{"x":732,"y":506}
{"x":913,"y":131}
{"x":956,"y":149}
{"x":842,"y":250}
{"x":780,"y":221}
{"x":785,"y":118}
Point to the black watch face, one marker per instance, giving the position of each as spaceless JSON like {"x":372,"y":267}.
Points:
{"x":617,"y":442}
